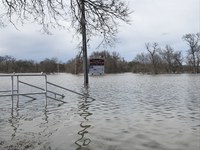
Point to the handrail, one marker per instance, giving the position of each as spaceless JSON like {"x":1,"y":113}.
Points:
{"x":69,"y":90}
{"x":16,"y":92}
{"x":41,"y":88}
{"x":23,"y":74}
{"x":4,"y":91}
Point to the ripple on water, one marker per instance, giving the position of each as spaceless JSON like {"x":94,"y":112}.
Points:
{"x":141,"y":112}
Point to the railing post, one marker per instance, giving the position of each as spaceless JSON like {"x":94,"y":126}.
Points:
{"x":12,"y":92}
{"x":17,"y":91}
{"x":46,"y":88}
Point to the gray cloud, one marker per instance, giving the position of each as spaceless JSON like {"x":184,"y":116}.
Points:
{"x":162,"y":21}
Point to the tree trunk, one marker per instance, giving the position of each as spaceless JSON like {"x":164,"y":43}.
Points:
{"x":84,"y":43}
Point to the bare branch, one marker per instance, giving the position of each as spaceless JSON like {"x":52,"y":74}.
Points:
{"x":102,"y":16}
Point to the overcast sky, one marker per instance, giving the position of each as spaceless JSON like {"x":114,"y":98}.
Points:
{"x":161,"y":21}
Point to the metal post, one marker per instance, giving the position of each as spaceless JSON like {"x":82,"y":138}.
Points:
{"x":12,"y":92}
{"x":46,"y":88}
{"x":17,"y":91}
{"x":84,"y":43}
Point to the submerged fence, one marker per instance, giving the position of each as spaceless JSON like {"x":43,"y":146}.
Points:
{"x":15,"y":88}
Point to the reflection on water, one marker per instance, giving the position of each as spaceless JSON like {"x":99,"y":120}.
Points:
{"x":130,"y":111}
{"x":14,"y":123}
{"x":46,"y":115}
{"x":83,"y":106}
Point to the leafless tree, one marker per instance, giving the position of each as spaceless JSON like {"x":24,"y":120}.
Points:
{"x":154,"y":57}
{"x":101,"y":17}
{"x":141,"y":58}
{"x":198,"y":59}
{"x":97,"y":18}
{"x":193,"y":40}
{"x":173,"y":59}
{"x":178,"y":60}
{"x":89,"y":17}
{"x":167,"y":56}
{"x":48,"y":13}
{"x":143,"y":62}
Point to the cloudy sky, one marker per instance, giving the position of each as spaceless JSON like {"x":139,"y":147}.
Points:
{"x":161,"y":21}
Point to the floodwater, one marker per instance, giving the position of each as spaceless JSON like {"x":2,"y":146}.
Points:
{"x":128,"y":112}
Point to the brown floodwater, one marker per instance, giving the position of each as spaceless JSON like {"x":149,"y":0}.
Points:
{"x":128,"y":112}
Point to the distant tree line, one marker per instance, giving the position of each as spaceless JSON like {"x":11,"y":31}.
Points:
{"x":158,"y":60}
{"x":154,"y":61}
{"x":167,"y":60}
{"x":9,"y":64}
{"x":113,"y":63}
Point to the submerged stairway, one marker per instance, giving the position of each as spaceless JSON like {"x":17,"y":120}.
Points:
{"x":15,"y":88}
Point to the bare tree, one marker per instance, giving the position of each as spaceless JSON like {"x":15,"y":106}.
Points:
{"x":193,"y":40}
{"x":101,"y":17}
{"x":143,"y":60}
{"x":49,"y":65}
{"x":101,"y":20}
{"x":89,"y":17}
{"x":48,"y":13}
{"x":173,"y":59}
{"x":167,"y":56}
{"x":153,"y":49}
{"x":178,"y":60}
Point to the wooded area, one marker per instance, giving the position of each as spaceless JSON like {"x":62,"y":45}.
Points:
{"x":155,"y":60}
{"x":114,"y":63}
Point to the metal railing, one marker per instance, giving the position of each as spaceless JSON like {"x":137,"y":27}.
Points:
{"x":15,"y":78}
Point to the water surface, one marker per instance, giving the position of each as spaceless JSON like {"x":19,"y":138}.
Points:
{"x":130,"y":112}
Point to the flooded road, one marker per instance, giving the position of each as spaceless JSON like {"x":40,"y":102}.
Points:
{"x":130,"y":112}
